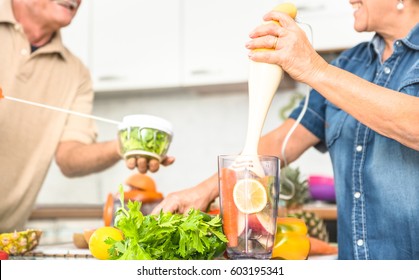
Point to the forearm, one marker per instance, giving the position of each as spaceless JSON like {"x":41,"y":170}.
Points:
{"x":388,"y":112}
{"x":77,"y":159}
{"x":300,"y":140}
{"x":210,"y":186}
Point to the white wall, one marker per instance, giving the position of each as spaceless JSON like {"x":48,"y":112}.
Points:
{"x":206,"y":124}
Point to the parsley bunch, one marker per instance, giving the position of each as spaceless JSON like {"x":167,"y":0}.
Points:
{"x":166,"y":236}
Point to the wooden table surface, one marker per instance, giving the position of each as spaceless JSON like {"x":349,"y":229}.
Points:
{"x":83,"y":211}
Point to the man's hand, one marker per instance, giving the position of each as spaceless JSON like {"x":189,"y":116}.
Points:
{"x":143,"y":164}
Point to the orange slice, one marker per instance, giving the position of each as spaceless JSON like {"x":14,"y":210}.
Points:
{"x":249,"y":196}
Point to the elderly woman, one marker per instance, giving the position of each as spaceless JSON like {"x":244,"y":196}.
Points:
{"x":363,"y":109}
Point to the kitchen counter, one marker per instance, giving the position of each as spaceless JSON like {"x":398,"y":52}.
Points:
{"x":70,"y":252}
{"x":76,"y":211}
{"x":323,"y":210}
{"x":56,"y":251}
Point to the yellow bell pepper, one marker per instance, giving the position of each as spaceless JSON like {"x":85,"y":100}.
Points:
{"x":291,"y":239}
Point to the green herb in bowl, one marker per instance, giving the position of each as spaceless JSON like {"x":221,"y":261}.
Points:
{"x":145,"y":135}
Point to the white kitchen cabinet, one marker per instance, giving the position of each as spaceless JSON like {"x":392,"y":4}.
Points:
{"x":76,"y":36}
{"x":214,"y":33}
{"x":331,"y":23}
{"x":135,"y":44}
{"x":141,"y":45}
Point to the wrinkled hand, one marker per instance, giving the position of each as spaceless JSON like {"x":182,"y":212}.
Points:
{"x":198,"y":197}
{"x":144,"y":164}
{"x":290,"y":46}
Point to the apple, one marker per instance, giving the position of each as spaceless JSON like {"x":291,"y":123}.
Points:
{"x":261,"y":223}
{"x":4,"y":255}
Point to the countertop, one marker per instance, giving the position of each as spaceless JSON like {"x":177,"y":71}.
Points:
{"x":70,"y":252}
{"x":56,"y":251}
{"x":323,"y":210}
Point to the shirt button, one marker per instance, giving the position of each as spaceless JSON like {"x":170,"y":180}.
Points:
{"x":23,"y":51}
{"x":360,"y":242}
{"x":387,"y":70}
{"x":398,"y":43}
{"x":358,"y":148}
{"x":357,"y":195}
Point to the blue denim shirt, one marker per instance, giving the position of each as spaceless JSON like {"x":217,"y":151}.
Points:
{"x":376,"y":178}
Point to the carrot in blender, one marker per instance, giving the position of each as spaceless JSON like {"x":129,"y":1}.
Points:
{"x":230,"y":212}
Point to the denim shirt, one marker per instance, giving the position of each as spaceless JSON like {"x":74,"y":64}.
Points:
{"x":376,"y":178}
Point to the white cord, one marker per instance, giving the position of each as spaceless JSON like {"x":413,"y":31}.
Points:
{"x":303,"y":111}
{"x":297,"y":122}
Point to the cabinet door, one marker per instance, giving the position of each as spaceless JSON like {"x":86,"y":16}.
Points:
{"x":214,"y":37}
{"x":331,"y":23}
{"x":76,"y":35}
{"x":135,"y":44}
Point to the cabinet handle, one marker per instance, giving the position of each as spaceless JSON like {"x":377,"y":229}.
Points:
{"x":110,"y":78}
{"x":311,"y":8}
{"x":200,"y":72}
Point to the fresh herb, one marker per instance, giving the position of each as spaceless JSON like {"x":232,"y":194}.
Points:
{"x":166,"y":236}
{"x":144,"y":139}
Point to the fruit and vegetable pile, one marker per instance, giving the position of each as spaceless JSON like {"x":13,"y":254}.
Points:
{"x":166,"y":236}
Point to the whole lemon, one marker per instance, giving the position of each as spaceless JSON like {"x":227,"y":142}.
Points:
{"x":97,"y":245}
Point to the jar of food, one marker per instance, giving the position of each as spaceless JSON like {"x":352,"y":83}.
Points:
{"x":144,"y":135}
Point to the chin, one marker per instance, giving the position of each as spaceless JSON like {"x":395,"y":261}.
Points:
{"x":359,"y":27}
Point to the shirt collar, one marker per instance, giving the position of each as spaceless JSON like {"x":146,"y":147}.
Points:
{"x":54,"y":46}
{"x":412,"y":39}
{"x":376,"y":45}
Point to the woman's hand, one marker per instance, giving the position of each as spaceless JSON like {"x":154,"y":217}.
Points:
{"x":198,"y":197}
{"x":287,"y":46}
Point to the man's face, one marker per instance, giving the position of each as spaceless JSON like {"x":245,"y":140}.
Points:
{"x":53,"y":13}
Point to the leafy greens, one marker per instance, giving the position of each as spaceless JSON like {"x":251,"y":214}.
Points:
{"x":166,"y":236}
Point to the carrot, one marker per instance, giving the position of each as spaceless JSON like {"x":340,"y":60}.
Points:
{"x":144,"y":196}
{"x":319,"y":247}
{"x":229,"y":209}
{"x":214,"y":212}
{"x":141,"y":182}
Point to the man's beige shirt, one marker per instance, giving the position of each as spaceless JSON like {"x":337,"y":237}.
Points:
{"x":29,"y":135}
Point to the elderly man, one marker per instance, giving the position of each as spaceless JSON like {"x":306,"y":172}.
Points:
{"x":35,"y":66}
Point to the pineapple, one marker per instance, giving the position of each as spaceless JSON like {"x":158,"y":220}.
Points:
{"x":292,"y":176}
{"x":19,"y":242}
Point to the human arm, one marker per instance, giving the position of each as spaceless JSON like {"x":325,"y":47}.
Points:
{"x":386,"y":111}
{"x":200,"y":196}
{"x":79,"y":159}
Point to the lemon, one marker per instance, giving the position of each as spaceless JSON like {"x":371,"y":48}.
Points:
{"x":97,"y":245}
{"x":249,"y":196}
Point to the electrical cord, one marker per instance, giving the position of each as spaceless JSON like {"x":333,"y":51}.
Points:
{"x":297,"y":122}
